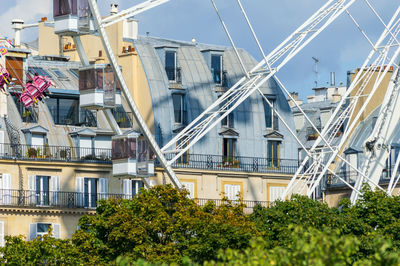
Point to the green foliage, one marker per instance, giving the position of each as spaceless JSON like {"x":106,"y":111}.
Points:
{"x":309,"y":247}
{"x":46,"y":250}
{"x":162,"y":225}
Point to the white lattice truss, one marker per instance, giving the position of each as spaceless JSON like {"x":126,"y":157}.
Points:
{"x":322,"y":154}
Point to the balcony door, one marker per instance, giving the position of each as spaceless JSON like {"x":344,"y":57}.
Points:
{"x":42,"y":190}
{"x":90,"y":192}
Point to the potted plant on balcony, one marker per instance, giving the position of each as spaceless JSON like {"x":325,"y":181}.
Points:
{"x":33,"y":152}
{"x":26,"y":115}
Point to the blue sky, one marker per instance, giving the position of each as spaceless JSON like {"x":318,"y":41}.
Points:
{"x":339,"y":48}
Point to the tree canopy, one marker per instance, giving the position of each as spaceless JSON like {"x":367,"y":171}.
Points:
{"x":162,"y":225}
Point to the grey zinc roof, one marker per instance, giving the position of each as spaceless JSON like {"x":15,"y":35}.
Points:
{"x":249,"y":120}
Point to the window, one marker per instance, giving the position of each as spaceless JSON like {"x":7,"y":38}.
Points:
{"x":232,"y":191}
{"x":40,"y":71}
{"x":64,"y":7}
{"x":2,"y":233}
{"x":228,"y":120}
{"x":66,"y":111}
{"x":41,"y":229}
{"x":270,"y":121}
{"x":90,"y":190}
{"x":131,"y":187}
{"x":229,"y":147}
{"x":27,"y":114}
{"x":273,"y":153}
{"x":74,"y":72}
{"x":216,"y":68}
{"x":121,"y":117}
{"x":170,"y":65}
{"x":42,"y":190}
{"x":351,"y":173}
{"x":228,"y":151}
{"x":178,"y":101}
{"x":275,"y":192}
{"x":184,"y":158}
{"x":5,"y":189}
{"x":59,"y":74}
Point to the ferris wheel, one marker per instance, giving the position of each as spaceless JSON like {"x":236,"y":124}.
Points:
{"x":321,"y":156}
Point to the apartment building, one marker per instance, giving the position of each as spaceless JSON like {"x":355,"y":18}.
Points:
{"x":56,"y":158}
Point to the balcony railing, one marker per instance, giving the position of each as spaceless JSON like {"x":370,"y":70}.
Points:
{"x":74,"y":200}
{"x":238,"y":163}
{"x":49,"y":199}
{"x":352,"y":176}
{"x":54,"y":153}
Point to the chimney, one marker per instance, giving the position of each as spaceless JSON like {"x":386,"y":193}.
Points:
{"x":17,"y":25}
{"x":295,"y":96}
{"x":114,"y":9}
{"x":332,"y":79}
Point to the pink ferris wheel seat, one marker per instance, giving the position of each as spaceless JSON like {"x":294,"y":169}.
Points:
{"x":26,"y":100}
{"x":41,"y":83}
{"x":3,"y":77}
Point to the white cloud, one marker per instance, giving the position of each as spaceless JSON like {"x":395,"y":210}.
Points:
{"x":28,"y":10}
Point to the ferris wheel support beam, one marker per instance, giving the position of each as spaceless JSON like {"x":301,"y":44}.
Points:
{"x":130,"y":12}
{"x":260,"y":74}
{"x":378,"y":145}
{"x":378,"y":48}
{"x":114,"y":64}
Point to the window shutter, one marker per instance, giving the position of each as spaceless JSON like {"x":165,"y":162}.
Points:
{"x":236,"y":192}
{"x":103,"y":188}
{"x":227,"y":189}
{"x":55,"y":190}
{"x":6,"y":180}
{"x":32,"y":189}
{"x":275,"y":193}
{"x":189,"y":186}
{"x":32,"y":231}
{"x":79,"y":191}
{"x":2,"y":242}
{"x":57,"y":231}
{"x":127,"y":188}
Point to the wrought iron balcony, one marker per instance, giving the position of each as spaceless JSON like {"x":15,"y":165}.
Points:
{"x":237,"y":163}
{"x":54,"y":153}
{"x":49,"y":199}
{"x":76,"y":200}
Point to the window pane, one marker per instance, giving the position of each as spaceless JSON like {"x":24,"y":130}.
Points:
{"x":68,"y":111}
{"x":27,"y":114}
{"x":58,"y":73}
{"x":216,"y":70}
{"x":177,"y":100}
{"x":268,"y":112}
{"x":43,"y":228}
{"x":52,"y":105}
{"x":170,"y":64}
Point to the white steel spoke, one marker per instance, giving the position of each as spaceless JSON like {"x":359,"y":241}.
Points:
{"x":261,"y":73}
{"x":363,"y":76}
{"x":125,"y":90}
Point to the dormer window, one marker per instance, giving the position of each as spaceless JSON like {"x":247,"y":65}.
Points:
{"x":170,"y":65}
{"x":271,"y":120}
{"x":179,"y":108}
{"x":216,"y":68}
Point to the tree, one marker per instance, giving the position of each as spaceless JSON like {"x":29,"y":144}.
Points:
{"x":162,"y":225}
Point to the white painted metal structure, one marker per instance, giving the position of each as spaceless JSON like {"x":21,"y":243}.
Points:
{"x":384,"y":54}
{"x":317,"y":163}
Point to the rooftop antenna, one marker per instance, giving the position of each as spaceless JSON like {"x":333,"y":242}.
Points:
{"x":316,"y":61}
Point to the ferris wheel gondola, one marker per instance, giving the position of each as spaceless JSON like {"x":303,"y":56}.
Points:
{"x":33,"y":90}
